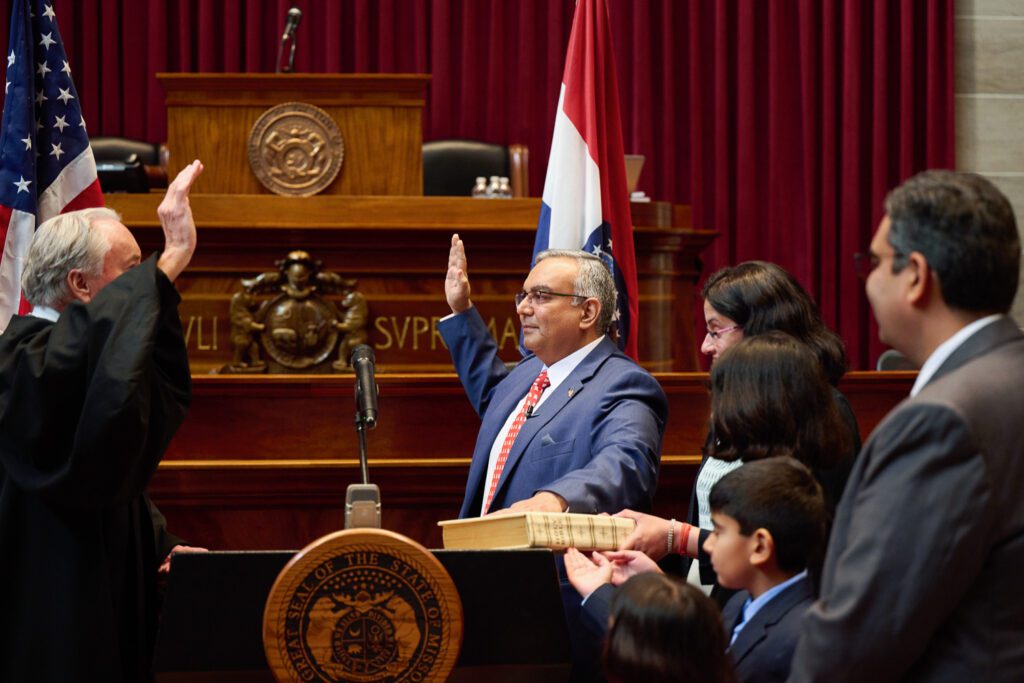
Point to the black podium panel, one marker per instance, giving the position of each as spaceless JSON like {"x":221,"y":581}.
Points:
{"x":212,"y":619}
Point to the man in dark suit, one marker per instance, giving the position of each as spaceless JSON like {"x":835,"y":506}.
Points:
{"x":576,"y":426}
{"x":922,"y":574}
{"x":590,"y":439}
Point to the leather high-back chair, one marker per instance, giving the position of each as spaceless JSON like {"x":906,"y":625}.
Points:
{"x":451,"y":167}
{"x":126,"y":165}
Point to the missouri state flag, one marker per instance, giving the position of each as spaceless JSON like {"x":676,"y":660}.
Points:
{"x":46,"y":164}
{"x":586,"y":200}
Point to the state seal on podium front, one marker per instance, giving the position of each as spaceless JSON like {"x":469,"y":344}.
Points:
{"x":363,"y":605}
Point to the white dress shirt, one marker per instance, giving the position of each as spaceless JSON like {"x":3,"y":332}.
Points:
{"x":45,"y":312}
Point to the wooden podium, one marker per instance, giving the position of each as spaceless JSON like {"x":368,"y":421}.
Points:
{"x":210,"y":116}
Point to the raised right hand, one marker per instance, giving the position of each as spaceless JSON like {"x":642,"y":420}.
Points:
{"x":649,"y":536}
{"x":456,"y":283}
{"x":176,"y":219}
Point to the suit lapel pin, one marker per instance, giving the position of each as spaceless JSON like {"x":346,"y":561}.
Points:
{"x":571,"y":392}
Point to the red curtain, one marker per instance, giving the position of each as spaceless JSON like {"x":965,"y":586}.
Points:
{"x":783,"y":122}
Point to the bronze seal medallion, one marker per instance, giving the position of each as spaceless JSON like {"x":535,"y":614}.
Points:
{"x":363,"y":605}
{"x":295,"y":149}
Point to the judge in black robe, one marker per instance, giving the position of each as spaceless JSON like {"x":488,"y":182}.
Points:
{"x":88,"y":405}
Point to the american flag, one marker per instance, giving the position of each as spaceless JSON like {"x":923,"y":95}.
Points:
{"x":586,"y":201}
{"x":46,"y":164}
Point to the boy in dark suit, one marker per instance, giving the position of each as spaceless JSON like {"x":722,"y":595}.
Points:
{"x":769,"y":529}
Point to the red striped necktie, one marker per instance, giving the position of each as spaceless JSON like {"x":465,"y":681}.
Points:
{"x":539,"y":385}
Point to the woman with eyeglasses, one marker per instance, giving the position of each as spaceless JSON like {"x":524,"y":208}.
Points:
{"x":740,"y":302}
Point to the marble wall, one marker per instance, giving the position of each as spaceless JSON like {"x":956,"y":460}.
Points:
{"x":989,"y":90}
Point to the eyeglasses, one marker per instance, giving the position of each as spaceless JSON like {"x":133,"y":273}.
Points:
{"x":539,"y":297}
{"x":716,"y":334}
{"x":866,"y":261}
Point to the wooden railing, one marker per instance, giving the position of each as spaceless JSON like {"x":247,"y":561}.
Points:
{"x":263,"y":462}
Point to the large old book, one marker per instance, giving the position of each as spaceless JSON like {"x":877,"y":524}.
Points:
{"x":554,"y":530}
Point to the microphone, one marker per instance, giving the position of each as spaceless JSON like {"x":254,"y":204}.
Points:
{"x":366,"y":388}
{"x":291,"y":22}
{"x":362,"y":501}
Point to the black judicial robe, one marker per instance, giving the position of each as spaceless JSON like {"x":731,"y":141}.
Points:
{"x":87,"y":406}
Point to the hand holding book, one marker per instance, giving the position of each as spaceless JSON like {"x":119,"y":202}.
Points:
{"x":651,"y":532}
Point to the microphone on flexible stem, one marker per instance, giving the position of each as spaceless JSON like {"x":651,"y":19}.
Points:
{"x":366,"y":388}
{"x":292,"y":20}
{"x":362,"y":501}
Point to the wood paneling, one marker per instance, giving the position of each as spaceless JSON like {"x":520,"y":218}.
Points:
{"x":264,"y":462}
{"x":210,"y":116}
{"x":397,"y":247}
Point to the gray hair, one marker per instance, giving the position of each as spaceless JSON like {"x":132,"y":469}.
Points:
{"x":593,"y":280}
{"x":60,"y":245}
{"x":965,"y":228}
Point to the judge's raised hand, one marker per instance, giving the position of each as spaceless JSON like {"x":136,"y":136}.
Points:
{"x":649,"y":536}
{"x":175,"y":215}
{"x":587,"y":574}
{"x":456,"y":283}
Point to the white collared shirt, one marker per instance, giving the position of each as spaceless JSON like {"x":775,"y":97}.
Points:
{"x":557,"y":374}
{"x":45,"y":312}
{"x":944,"y":350}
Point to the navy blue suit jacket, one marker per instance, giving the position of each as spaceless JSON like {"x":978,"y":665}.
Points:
{"x":763,"y":650}
{"x":595,"y":440}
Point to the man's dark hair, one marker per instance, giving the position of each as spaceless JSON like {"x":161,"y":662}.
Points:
{"x":782,"y":496}
{"x":769,"y":397}
{"x":965,"y":229}
{"x":665,"y":631}
{"x":761,"y":296}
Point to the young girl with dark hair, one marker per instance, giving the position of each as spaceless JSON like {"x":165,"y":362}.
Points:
{"x":661,"y":630}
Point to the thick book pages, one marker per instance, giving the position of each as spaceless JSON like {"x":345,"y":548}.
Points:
{"x":556,"y":530}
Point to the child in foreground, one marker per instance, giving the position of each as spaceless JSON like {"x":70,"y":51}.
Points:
{"x":662,"y":630}
{"x":769,"y":525}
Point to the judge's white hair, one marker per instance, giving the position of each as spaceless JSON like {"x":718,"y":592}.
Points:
{"x":593,"y":280}
{"x":60,"y":245}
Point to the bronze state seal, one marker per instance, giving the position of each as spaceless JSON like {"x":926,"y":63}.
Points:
{"x":363,"y":605}
{"x":295,"y":149}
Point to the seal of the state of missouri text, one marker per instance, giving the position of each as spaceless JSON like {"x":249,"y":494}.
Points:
{"x":363,"y":605}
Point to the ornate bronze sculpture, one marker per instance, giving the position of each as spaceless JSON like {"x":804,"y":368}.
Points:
{"x":284,"y":314}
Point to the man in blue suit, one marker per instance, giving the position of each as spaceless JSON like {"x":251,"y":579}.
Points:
{"x":589,"y":440}
{"x":576,"y":426}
